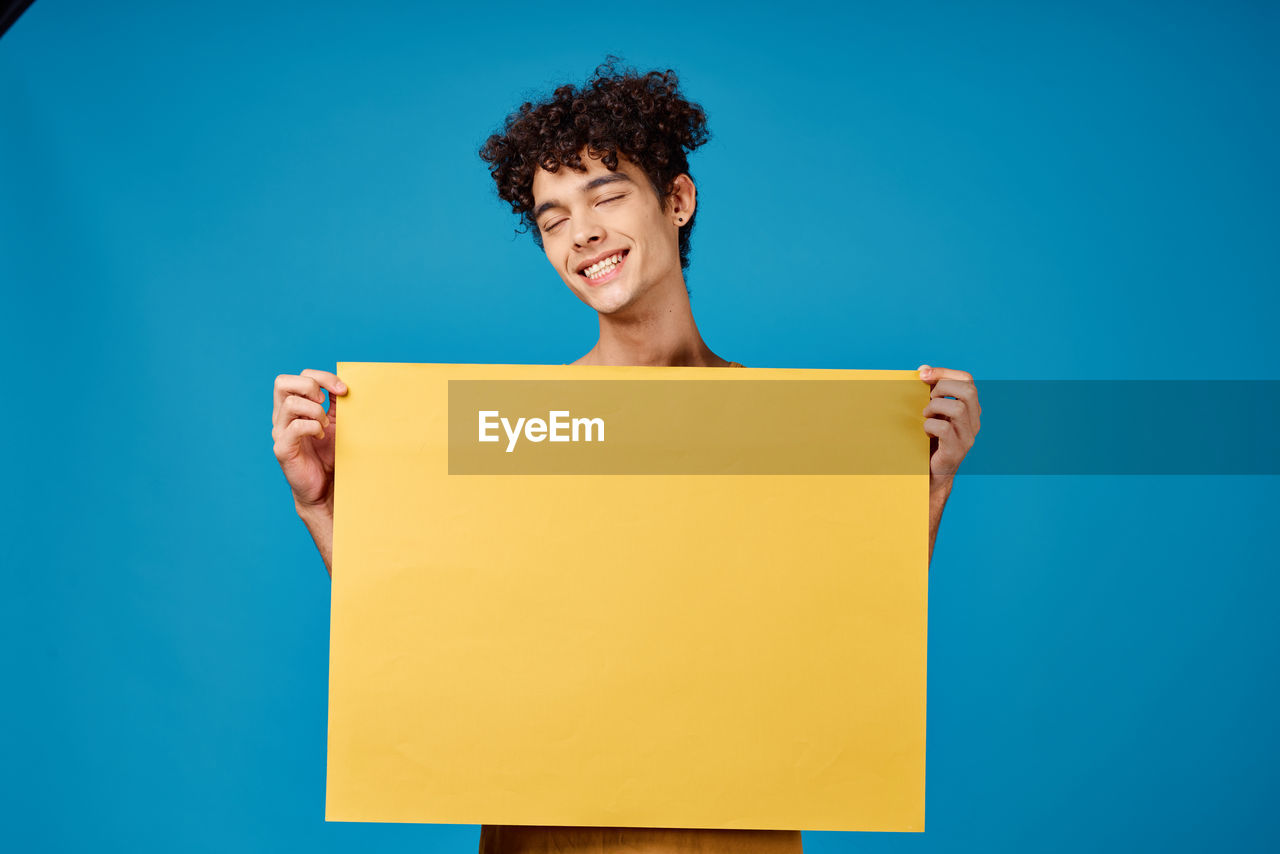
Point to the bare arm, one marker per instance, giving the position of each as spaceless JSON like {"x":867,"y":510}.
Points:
{"x":939,"y":492}
{"x":319,"y":521}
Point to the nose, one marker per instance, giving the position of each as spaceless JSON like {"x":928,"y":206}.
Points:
{"x":589,"y":231}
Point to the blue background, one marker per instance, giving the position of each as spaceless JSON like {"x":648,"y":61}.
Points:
{"x":193,"y":200}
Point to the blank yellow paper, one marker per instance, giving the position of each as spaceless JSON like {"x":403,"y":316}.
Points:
{"x":724,"y":650}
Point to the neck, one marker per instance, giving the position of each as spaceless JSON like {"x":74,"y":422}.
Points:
{"x":661,"y":334}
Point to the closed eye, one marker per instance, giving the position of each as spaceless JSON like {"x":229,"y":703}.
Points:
{"x":612,"y":199}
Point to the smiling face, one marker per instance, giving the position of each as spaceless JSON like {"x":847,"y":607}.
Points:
{"x":608,"y":235}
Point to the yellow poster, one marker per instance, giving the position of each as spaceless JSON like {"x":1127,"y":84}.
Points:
{"x":635,"y":597}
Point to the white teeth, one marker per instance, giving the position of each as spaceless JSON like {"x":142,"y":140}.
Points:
{"x":601,"y":267}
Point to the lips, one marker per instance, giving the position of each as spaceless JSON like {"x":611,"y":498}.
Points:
{"x":602,"y":266}
{"x":599,"y":257}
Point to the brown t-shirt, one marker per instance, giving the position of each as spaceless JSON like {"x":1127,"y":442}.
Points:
{"x":529,"y":839}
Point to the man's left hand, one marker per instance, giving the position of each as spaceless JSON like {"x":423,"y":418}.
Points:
{"x":952,"y":418}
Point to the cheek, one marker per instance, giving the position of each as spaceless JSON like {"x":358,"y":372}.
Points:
{"x":555,"y":255}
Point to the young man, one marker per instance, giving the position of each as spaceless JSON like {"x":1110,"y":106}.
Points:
{"x":600,"y":175}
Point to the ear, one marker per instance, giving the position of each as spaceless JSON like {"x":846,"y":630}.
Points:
{"x":682,"y":200}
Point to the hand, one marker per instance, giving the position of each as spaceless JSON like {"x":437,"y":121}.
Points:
{"x":953,"y":424}
{"x":304,"y":432}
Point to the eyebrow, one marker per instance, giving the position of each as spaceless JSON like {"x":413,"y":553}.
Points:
{"x":611,"y":178}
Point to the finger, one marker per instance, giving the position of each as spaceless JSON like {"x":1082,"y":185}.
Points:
{"x":945,"y":407}
{"x":939,"y":427}
{"x":945,"y":459}
{"x":932,"y":374}
{"x":956,"y":386}
{"x":287,"y":384}
{"x":957,"y":413}
{"x":289,"y":439}
{"x":331,"y":384}
{"x":959,"y":390}
{"x":310,"y":383}
{"x":300,"y":427}
{"x":301,"y":407}
{"x":330,"y":381}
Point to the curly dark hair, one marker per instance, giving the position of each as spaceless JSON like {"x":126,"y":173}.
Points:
{"x":641,"y":116}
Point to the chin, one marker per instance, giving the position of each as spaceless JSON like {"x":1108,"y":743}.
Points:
{"x":608,"y":306}
{"x":607,"y":302}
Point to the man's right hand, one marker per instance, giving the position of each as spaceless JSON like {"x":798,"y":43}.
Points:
{"x":304,"y":434}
